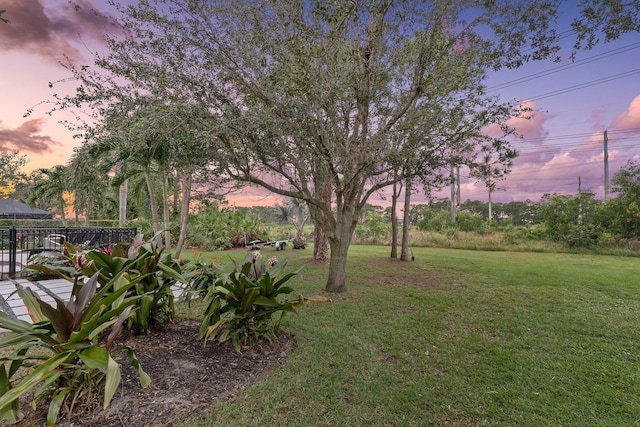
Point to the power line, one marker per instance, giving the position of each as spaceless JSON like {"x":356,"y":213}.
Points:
{"x":579,"y":135}
{"x":590,"y":147}
{"x":585,"y":85}
{"x":565,"y":67}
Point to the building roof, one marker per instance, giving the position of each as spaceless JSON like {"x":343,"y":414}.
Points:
{"x":15,"y":210}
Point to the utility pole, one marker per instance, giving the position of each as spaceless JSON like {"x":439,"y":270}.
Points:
{"x":580,"y":200}
{"x":606,"y":166}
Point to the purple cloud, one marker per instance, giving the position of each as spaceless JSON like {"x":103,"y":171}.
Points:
{"x":25,"y":139}
{"x":630,"y":119}
{"x":47,"y":32}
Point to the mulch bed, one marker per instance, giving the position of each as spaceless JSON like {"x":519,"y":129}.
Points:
{"x":187,"y":377}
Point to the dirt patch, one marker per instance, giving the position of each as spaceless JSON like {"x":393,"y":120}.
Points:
{"x":187,"y":377}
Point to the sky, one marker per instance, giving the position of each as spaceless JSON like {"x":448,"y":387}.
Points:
{"x":562,"y":144}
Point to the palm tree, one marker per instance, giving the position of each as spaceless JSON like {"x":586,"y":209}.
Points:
{"x":86,"y":180}
{"x":51,"y":189}
{"x":295,"y":211}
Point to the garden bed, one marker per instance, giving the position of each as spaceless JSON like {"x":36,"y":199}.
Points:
{"x":187,"y":377}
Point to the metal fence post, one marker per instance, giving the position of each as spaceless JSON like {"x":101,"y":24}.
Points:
{"x":13,"y":244}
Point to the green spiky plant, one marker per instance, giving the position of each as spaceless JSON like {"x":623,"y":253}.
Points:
{"x":152,"y":267}
{"x":63,"y":353}
{"x":241,"y":305}
{"x":200,"y":275}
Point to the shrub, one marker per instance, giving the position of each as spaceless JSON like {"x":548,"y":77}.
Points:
{"x":582,"y":236}
{"x":607,"y":240}
{"x":519,"y":233}
{"x":212,"y":228}
{"x":466,"y":221}
{"x":300,"y":242}
{"x":241,"y":305}
{"x":200,"y":276}
{"x":151,"y":267}
{"x":68,"y":363}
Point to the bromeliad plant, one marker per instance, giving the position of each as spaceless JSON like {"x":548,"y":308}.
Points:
{"x":242,"y":304}
{"x":200,"y":275}
{"x":151,"y":267}
{"x":64,"y":355}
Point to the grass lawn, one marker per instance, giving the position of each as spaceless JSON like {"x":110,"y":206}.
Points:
{"x":458,"y":338}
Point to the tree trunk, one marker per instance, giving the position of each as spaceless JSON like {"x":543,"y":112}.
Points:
{"x":453,"y":197}
{"x":322,"y":184}
{"x":153,"y":204}
{"x":339,"y":241}
{"x":123,"y":191}
{"x":87,"y":215}
{"x":337,"y":280}
{"x":320,"y":243}
{"x":404,"y":255}
{"x":490,"y":213}
{"x":62,"y":215}
{"x":184,"y":213}
{"x":176,"y":192}
{"x":394,"y":220}
{"x":165,"y":212}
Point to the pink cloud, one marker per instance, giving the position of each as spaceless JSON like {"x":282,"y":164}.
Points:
{"x":530,"y":123}
{"x":630,"y":119}
{"x":25,"y":139}
{"x":597,"y":117}
{"x":46,"y":32}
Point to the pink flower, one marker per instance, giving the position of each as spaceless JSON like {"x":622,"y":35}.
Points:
{"x":81,"y":260}
{"x":256,"y":255}
{"x":272,"y":262}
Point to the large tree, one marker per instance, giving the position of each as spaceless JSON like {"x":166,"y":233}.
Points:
{"x":51,"y":189}
{"x":621,"y":215}
{"x":11,"y":175}
{"x":295,"y":92}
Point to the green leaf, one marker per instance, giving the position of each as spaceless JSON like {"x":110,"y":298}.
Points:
{"x":30,"y":300}
{"x":145,"y":379}
{"x":284,"y":279}
{"x":13,"y":324}
{"x":95,"y":324}
{"x":40,"y":373}
{"x":85,"y":295}
{"x":248,"y":299}
{"x":267,"y":302}
{"x":119,"y":282}
{"x":54,"y":271}
{"x":18,"y":357}
{"x":45,"y":386}
{"x":95,"y":357}
{"x":11,"y":412}
{"x":172,"y":273}
{"x":98,"y":358}
{"x":57,"y":399}
{"x":117,"y":327}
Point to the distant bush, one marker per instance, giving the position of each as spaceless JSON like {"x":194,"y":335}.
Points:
{"x":608,"y":240}
{"x":466,"y":221}
{"x":522,"y":233}
{"x":582,"y":236}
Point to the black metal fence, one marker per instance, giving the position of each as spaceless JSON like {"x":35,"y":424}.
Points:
{"x":17,"y":244}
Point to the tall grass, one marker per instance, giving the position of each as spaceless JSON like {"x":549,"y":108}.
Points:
{"x":457,"y":338}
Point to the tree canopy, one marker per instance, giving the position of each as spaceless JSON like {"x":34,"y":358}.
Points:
{"x":11,"y":163}
{"x":356,"y":95}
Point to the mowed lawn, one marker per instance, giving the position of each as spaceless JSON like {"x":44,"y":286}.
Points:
{"x":460,"y":338}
